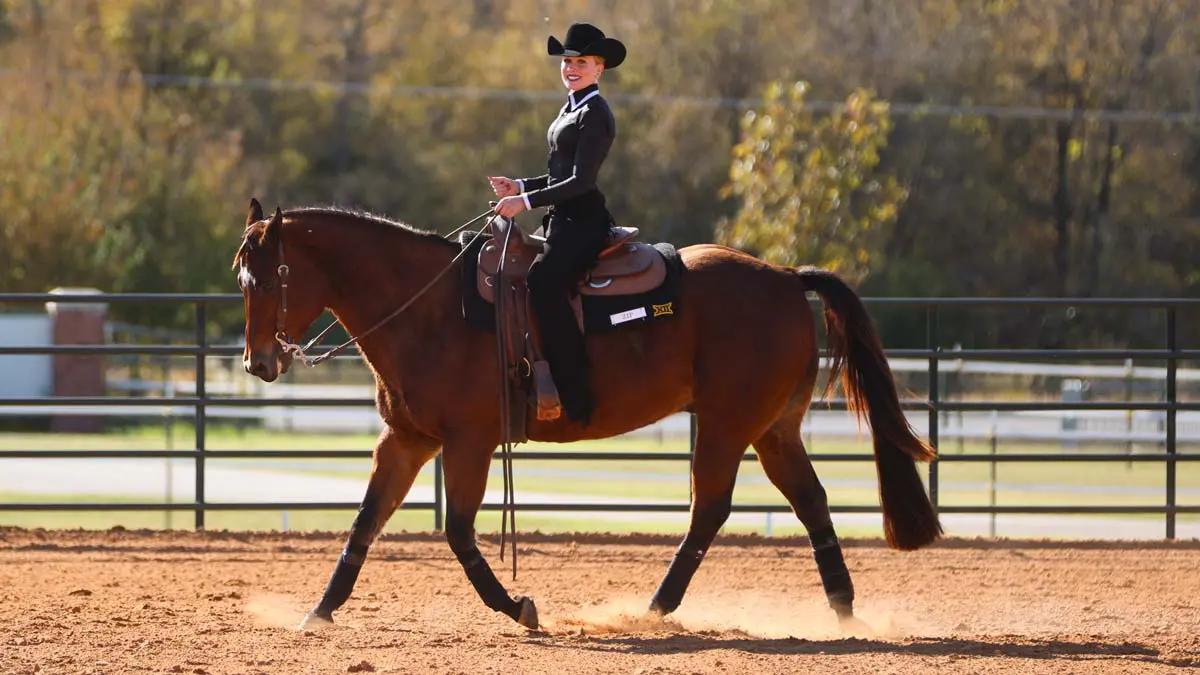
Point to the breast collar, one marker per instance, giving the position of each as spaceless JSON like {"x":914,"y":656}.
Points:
{"x":572,"y":105}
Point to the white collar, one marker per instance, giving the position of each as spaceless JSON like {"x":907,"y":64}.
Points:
{"x":575,"y":105}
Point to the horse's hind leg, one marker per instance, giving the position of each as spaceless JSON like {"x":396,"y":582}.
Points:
{"x":398,"y":458}
{"x":714,"y":471}
{"x":783,"y":458}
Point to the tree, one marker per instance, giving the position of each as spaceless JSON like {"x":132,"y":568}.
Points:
{"x":125,"y":193}
{"x":809,"y":188}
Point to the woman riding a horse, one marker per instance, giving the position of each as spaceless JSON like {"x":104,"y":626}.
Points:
{"x":578,"y":221}
{"x":743,"y":356}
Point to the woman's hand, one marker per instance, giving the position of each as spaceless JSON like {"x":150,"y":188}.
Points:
{"x":504,"y":187}
{"x":510,"y":206}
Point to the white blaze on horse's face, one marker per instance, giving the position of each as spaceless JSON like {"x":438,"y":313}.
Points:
{"x":245,"y":277}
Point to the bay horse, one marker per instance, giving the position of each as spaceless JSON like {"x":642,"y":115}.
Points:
{"x":741,"y":354}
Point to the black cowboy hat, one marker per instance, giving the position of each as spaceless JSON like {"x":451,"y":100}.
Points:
{"x":584,"y":39}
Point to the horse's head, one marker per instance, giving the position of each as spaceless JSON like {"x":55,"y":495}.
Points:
{"x":278,"y":292}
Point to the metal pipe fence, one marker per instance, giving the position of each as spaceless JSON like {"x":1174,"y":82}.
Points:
{"x":935,"y":405}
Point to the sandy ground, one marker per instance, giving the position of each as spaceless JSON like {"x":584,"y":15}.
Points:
{"x":215,"y":603}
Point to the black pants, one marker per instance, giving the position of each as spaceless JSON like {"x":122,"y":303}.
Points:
{"x":572,"y":245}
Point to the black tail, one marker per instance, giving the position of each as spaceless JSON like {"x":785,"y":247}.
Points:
{"x":856,"y":353}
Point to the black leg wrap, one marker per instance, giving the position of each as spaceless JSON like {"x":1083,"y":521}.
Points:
{"x":679,"y":575}
{"x":342,"y":582}
{"x":834,"y":576}
{"x":486,"y":584}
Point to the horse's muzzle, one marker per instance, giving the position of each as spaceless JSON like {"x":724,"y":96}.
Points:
{"x":268,"y":365}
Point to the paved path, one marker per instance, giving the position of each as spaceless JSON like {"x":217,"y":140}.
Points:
{"x":151,"y":479}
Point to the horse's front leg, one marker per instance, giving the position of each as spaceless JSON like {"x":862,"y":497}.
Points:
{"x":399,"y":455}
{"x":466,"y":465}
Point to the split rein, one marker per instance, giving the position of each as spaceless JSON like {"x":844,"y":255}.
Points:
{"x":508,"y":512}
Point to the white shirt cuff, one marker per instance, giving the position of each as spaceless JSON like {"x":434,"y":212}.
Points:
{"x":525,"y":196}
{"x":520,"y":185}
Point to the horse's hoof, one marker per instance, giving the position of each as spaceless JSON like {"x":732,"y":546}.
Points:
{"x":315,"y":621}
{"x":529,"y":615}
{"x":854,"y":627}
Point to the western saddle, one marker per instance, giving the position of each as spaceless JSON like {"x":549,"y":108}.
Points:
{"x":624,"y":267}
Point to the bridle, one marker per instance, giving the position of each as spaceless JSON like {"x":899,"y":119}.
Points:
{"x":298,"y":352}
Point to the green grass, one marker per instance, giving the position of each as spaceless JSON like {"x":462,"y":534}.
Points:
{"x":961,"y":483}
{"x":333,"y":520}
{"x":410,"y":520}
{"x":182,"y":435}
{"x":268,"y":519}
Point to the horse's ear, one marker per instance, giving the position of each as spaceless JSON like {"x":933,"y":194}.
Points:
{"x":255,"y":214}
{"x":274,"y":225}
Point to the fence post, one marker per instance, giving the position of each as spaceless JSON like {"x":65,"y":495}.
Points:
{"x":1129,"y":412}
{"x":169,"y":438}
{"x":931,"y":320}
{"x":201,"y":395}
{"x":77,"y":374}
{"x":993,"y":449}
{"x":1172,"y":401}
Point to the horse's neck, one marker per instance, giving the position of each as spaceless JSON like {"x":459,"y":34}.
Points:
{"x":373,"y":271}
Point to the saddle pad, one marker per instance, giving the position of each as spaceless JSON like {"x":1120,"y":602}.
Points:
{"x":601,"y":313}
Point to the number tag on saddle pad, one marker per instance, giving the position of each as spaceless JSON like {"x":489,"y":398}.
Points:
{"x":630,"y":315}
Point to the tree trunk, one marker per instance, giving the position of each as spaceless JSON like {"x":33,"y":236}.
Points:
{"x":37,"y":15}
{"x":353,"y":73}
{"x":1100,"y":224}
{"x":1062,"y":209}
